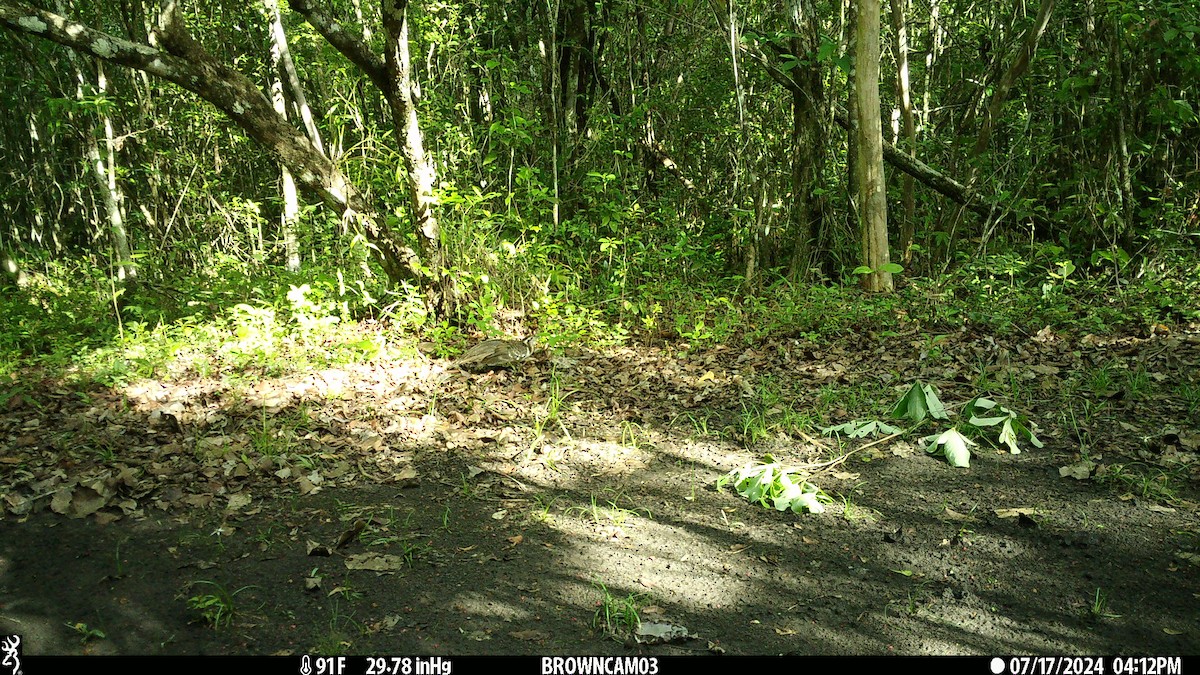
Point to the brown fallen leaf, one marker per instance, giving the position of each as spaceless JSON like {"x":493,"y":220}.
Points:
{"x":951,"y":514}
{"x":529,"y":635}
{"x":318,"y":549}
{"x":375,"y":562}
{"x":1014,"y":513}
{"x":351,"y":534}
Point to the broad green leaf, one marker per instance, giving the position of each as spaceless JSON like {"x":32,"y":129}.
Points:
{"x":976,"y":409}
{"x":757,"y":485}
{"x":1014,"y":431}
{"x":919,"y":402}
{"x":892,"y":268}
{"x":934,"y":404}
{"x":911,"y":406}
{"x":987,"y":421}
{"x":789,"y":493}
{"x":954,"y":446}
{"x":798,"y":497}
{"x":765,"y":483}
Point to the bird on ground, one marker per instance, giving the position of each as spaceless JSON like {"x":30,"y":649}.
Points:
{"x":491,"y":354}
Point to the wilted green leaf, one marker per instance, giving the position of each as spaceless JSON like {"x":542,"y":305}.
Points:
{"x":861,"y":429}
{"x":770,"y":482}
{"x":982,"y":412}
{"x":934,"y":404}
{"x":919,"y":402}
{"x":954,"y":446}
{"x":1014,"y":431}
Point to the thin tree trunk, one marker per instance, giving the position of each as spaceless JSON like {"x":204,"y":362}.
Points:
{"x":289,"y":219}
{"x":1125,"y":233}
{"x":1015,"y":71}
{"x":908,"y":128}
{"x":931,"y":57}
{"x":104,"y":171}
{"x":286,"y":68}
{"x":851,"y":119}
{"x":552,"y":109}
{"x":726,"y":14}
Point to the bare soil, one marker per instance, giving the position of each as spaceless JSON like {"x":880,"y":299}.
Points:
{"x":408,"y":508}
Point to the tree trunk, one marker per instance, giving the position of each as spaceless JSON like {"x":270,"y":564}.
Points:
{"x":551,"y":101}
{"x":289,"y":219}
{"x":286,"y":69}
{"x":872,"y":191}
{"x":850,"y":120}
{"x":1124,"y":235}
{"x":931,"y":57}
{"x":103,"y":166}
{"x":908,"y":128}
{"x":808,"y":141}
{"x":420,"y":173}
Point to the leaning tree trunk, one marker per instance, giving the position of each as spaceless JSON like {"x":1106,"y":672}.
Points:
{"x":103,"y":167}
{"x":185,"y":63}
{"x":104,"y":170}
{"x":1018,"y":67}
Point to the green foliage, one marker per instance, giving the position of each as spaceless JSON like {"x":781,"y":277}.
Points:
{"x":981,"y":412}
{"x":1146,"y":482}
{"x":772,"y":413}
{"x":86,"y":633}
{"x":861,"y":429}
{"x":56,"y":313}
{"x":216,"y":609}
{"x":617,"y":616}
{"x":921,"y":402}
{"x":1099,"y":606}
{"x":954,"y":446}
{"x":565,"y":221}
{"x":769,"y":482}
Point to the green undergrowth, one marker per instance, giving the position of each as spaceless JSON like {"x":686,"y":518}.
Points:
{"x":237,"y":317}
{"x":67,"y":324}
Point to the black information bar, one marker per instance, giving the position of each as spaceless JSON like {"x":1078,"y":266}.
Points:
{"x":596,"y":665}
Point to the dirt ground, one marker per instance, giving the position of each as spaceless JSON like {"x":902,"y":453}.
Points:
{"x":407,"y":508}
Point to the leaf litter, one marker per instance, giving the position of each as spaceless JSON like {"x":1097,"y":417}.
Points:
{"x":564,"y":422}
